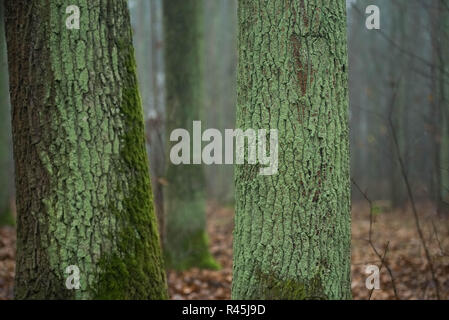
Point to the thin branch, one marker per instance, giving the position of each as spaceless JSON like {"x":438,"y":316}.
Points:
{"x":382,"y":263}
{"x":373,"y":247}
{"x":442,"y":251}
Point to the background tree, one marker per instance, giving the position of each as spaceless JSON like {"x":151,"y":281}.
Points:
{"x":83,"y":187}
{"x":292,"y":230}
{"x":6,"y":161}
{"x":220,"y":25}
{"x":185,"y":239}
{"x":440,"y":45}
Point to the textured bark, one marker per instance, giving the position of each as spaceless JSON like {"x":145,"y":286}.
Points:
{"x":185,"y":240}
{"x":292,"y":230}
{"x":83,"y":187}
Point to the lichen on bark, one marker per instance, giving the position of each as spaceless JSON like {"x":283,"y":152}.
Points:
{"x":292,"y":230}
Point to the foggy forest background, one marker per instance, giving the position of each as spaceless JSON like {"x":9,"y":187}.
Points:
{"x":399,"y":127}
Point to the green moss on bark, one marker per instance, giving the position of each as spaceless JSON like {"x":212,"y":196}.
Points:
{"x":137,"y":273}
{"x":277,"y":288}
{"x":195,"y":254}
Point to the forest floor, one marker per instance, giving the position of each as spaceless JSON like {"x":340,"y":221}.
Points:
{"x":405,"y":257}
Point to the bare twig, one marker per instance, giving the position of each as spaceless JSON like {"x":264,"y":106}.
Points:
{"x":382,"y":263}
{"x":435,"y":231}
{"x":373,"y":247}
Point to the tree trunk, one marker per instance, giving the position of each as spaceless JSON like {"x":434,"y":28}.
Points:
{"x":443,"y":169}
{"x":185,"y":240}
{"x":156,"y":119}
{"x":220,"y":88}
{"x":6,"y":161}
{"x":83,"y":187}
{"x":292,"y":230}
{"x":437,"y":100}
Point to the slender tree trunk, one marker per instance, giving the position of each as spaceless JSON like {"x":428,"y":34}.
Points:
{"x":437,"y":100}
{"x":292,"y":230}
{"x":444,"y":113}
{"x":185,"y":240}
{"x":401,"y":109}
{"x":83,"y":187}
{"x":6,"y":161}
{"x":156,"y":121}
{"x":220,"y":91}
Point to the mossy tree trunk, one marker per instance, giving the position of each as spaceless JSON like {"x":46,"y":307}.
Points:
{"x":83,"y":187}
{"x":185,"y":239}
{"x":292,"y":230}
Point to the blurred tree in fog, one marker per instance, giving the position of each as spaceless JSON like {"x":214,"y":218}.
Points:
{"x":185,"y":238}
{"x":439,"y":17}
{"x":6,"y":161}
{"x":216,"y":66}
{"x":220,"y":27}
